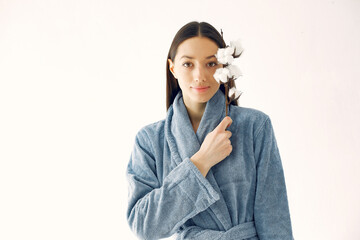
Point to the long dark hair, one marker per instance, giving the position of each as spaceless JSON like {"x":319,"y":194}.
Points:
{"x":192,"y":29}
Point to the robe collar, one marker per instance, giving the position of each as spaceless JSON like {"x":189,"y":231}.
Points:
{"x":186,"y":139}
{"x":184,"y":142}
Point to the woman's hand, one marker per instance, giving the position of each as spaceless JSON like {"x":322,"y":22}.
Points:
{"x":215,"y":148}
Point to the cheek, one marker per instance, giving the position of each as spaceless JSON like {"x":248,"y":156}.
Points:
{"x":211,"y":75}
{"x":182,"y":81}
{"x":182,"y":73}
{"x":184,"y":77}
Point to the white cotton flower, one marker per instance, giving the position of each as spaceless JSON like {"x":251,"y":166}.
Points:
{"x":237,"y":45}
{"x":234,"y":71}
{"x":233,"y":91}
{"x":221,"y":75}
{"x":224,"y":55}
{"x":229,"y":50}
{"x":238,"y":93}
{"x":220,"y":52}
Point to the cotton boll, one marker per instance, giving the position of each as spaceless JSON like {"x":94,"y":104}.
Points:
{"x":222,"y":60}
{"x":234,"y":92}
{"x":224,"y":55}
{"x":229,"y":51}
{"x":229,"y":55}
{"x":237,"y":93}
{"x":224,"y":75}
{"x":220,"y":53}
{"x":231,"y":91}
{"x":229,"y":59}
{"x":221,"y":75}
{"x":217,"y":75}
{"x":234,"y":71}
{"x":238,"y":47}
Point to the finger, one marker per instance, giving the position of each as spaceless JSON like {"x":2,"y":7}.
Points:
{"x":229,"y":124}
{"x":229,"y":134}
{"x":224,"y":124}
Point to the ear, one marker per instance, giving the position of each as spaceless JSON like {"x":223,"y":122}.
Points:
{"x":171,"y":67}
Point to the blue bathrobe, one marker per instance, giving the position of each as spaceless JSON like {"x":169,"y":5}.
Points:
{"x":242,"y":197}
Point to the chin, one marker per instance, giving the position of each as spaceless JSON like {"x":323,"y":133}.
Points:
{"x":203,"y":99}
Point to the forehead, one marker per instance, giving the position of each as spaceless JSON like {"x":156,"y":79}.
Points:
{"x":197,"y":47}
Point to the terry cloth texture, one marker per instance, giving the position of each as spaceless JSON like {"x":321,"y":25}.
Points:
{"x":242,"y":197}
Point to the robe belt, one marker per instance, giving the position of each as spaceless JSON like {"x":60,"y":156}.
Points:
{"x":241,"y":231}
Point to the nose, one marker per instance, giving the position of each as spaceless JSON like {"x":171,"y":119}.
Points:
{"x":199,"y":74}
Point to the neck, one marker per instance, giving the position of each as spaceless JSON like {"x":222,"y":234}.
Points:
{"x":195,"y":112}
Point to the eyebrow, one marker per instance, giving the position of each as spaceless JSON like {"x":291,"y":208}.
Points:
{"x":185,"y":56}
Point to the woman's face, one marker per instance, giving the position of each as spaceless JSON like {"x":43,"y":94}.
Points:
{"x":194,"y":67}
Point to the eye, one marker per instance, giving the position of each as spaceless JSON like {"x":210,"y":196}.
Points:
{"x":212,"y":64}
{"x":187,"y":64}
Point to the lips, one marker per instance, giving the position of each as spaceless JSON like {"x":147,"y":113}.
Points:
{"x":200,"y":89}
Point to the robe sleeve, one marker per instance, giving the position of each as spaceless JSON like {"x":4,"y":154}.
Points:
{"x":271,"y":210}
{"x":156,"y":211}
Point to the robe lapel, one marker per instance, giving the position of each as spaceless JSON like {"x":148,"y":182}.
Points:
{"x":184,"y":142}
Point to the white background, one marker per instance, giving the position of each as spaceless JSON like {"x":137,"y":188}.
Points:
{"x":78,"y":79}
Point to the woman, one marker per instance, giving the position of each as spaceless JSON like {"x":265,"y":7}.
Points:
{"x":198,"y":173}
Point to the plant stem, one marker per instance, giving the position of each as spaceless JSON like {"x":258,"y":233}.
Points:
{"x":226,"y":99}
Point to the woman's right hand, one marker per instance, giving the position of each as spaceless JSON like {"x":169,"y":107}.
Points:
{"x":215,"y":148}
